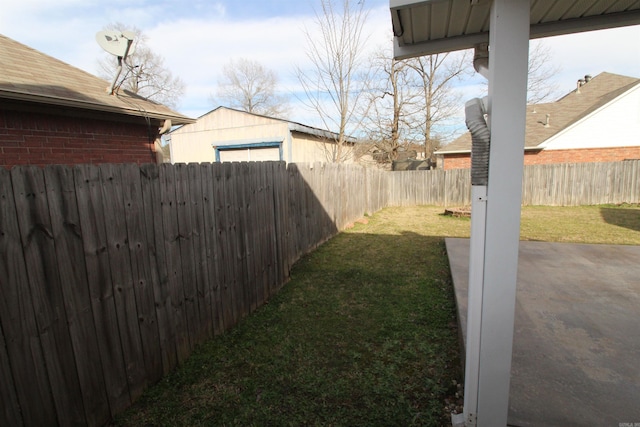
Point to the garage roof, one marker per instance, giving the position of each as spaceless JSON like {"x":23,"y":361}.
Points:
{"x":427,"y":27}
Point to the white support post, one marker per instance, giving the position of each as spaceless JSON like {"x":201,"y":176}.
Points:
{"x":508,"y":58}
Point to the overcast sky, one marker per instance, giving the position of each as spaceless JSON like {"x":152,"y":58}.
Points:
{"x":197,"y":37}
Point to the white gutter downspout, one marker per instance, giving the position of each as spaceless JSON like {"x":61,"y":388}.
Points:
{"x":166,"y":127}
{"x":480,"y":136}
{"x":481,"y":59}
{"x":475,"y":111}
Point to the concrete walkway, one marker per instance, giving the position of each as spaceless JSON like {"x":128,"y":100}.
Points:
{"x":576,"y":350}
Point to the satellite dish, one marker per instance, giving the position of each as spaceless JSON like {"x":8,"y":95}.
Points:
{"x":116,"y":42}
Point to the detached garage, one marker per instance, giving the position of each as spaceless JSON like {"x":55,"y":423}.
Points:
{"x":228,"y":135}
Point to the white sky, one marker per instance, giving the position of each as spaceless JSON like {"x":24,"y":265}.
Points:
{"x":198,"y":37}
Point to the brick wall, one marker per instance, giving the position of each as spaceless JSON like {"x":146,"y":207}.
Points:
{"x":457,"y":161}
{"x":585,"y":155}
{"x":28,"y":138}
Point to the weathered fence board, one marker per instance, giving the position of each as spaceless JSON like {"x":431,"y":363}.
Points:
{"x":244,"y":254}
{"x":185,"y":253}
{"x":168,"y":183}
{"x":233,"y":259}
{"x":202,"y":280}
{"x":142,"y":280}
{"x":256,"y":239}
{"x":281,"y":233}
{"x":29,"y":376}
{"x":209,"y":237}
{"x":67,"y":235}
{"x":110,"y":275}
{"x":222,"y":247}
{"x":43,"y":276}
{"x":122,"y":278}
{"x":9,"y":406}
{"x":92,"y":223}
{"x":153,"y":213}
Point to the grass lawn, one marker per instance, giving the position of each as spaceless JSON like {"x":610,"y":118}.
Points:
{"x":364,"y":334}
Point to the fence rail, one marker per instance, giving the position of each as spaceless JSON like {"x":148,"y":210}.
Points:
{"x":110,"y":275}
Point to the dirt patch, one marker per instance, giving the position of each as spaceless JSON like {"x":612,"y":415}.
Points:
{"x":458,"y":211}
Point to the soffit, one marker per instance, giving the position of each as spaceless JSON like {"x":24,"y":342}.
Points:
{"x":432,"y":26}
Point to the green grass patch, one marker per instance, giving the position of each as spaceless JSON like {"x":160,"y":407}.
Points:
{"x":606,"y":224}
{"x":364,"y":334}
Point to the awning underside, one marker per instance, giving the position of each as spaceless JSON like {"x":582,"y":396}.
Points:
{"x":433,"y":26}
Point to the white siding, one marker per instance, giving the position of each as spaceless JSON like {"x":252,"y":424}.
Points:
{"x":616,"y":124}
{"x":309,"y":149}
{"x":195,"y":142}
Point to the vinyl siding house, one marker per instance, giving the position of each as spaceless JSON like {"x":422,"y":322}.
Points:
{"x":226,"y":134}
{"x":54,"y":113}
{"x":599,"y":121}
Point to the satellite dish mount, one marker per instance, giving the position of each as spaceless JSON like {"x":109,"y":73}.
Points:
{"x":119,"y":44}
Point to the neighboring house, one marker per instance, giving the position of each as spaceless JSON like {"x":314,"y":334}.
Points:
{"x":53,"y":113}
{"x":226,"y":134}
{"x":599,"y":121}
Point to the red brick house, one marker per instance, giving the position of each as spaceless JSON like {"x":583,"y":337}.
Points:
{"x":53,"y":113}
{"x":599,"y":121}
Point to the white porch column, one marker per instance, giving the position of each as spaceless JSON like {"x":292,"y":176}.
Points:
{"x":509,"y":49}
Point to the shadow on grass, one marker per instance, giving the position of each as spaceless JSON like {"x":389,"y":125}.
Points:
{"x":622,"y":217}
{"x":364,"y":334}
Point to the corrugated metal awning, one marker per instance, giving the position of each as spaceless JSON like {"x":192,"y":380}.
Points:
{"x":431,"y":26}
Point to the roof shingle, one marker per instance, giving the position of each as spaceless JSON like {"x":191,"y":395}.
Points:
{"x":29,"y":75}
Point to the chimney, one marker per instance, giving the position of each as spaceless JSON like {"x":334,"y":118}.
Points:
{"x":546,"y":122}
{"x":587,"y":78}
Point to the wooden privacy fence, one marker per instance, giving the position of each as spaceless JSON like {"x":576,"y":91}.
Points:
{"x":110,"y":275}
{"x":575,"y":184}
{"x":433,"y":187}
{"x":568,"y":184}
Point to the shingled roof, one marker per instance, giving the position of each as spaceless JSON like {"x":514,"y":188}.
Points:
{"x":566,"y":111}
{"x":28,"y":75}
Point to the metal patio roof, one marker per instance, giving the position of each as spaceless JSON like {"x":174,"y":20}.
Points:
{"x":424,"y":27}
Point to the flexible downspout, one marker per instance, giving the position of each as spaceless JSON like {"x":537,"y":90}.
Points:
{"x":475,"y":111}
{"x":480,"y":140}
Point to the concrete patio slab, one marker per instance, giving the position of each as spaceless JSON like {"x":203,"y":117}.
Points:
{"x":576,"y":349}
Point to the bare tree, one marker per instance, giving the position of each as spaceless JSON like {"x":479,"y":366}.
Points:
{"x":394,"y":105}
{"x":334,"y":86}
{"x":145,"y":73}
{"x":540,"y":86}
{"x":249,"y":86}
{"x":441,"y":103}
